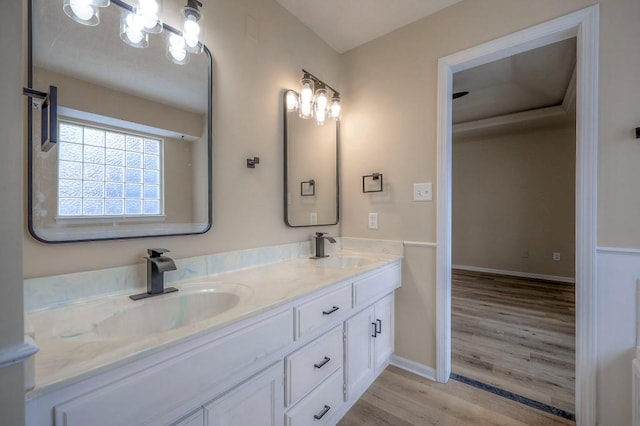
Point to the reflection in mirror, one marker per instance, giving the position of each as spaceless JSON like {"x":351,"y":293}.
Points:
{"x":133,"y":157}
{"x":311,"y":170}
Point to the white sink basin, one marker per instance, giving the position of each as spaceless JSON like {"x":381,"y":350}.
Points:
{"x":342,"y":262}
{"x":197,"y":302}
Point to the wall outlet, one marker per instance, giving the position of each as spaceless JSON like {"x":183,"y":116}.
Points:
{"x":556,"y":256}
{"x":313,"y":218}
{"x":373,"y":220}
{"x":422,"y":191}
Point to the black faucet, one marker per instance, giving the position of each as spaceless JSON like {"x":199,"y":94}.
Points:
{"x":157,"y":265}
{"x":320,"y":237}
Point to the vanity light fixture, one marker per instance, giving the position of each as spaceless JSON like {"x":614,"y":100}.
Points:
{"x":313,"y":100}
{"x":143,"y":17}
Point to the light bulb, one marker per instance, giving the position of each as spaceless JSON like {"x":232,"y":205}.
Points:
{"x":132,"y":30}
{"x":190,"y":40}
{"x":134,"y":36}
{"x":321,"y":105}
{"x":82,"y":9}
{"x":148,"y":11}
{"x":191,"y":26}
{"x":321,"y":116}
{"x":149,"y":7}
{"x":178,"y":53}
{"x":85,"y":12}
{"x":306,"y":110}
{"x":306,"y":98}
{"x":321,"y":99}
{"x":336,"y":108}
{"x":176,"y":49}
{"x":291,"y":101}
{"x":134,"y":22}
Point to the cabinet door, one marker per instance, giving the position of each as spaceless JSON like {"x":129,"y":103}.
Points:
{"x":196,"y":419}
{"x":359,"y":350}
{"x":383,"y":340}
{"x":257,"y":402}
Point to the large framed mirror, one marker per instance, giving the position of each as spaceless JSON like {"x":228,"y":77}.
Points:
{"x":133,"y":155}
{"x":311,"y":179}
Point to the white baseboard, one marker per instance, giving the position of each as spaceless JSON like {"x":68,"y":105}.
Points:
{"x":413,"y":367}
{"x":516,"y":273}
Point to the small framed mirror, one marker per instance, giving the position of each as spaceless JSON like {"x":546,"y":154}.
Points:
{"x":311,"y":180}
{"x":133,"y":156}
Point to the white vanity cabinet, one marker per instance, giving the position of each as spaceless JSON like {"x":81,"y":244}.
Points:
{"x":257,"y":402}
{"x":304,"y":362}
{"x":369,"y":335}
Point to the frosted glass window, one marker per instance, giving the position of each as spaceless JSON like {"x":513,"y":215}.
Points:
{"x":70,"y":151}
{"x":134,"y":175}
{"x":104,"y":172}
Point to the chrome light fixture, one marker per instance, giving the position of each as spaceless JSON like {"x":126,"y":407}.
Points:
{"x":143,"y":17}
{"x":313,"y":100}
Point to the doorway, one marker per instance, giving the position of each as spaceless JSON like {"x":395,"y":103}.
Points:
{"x":583,"y":25}
{"x":513,"y":227}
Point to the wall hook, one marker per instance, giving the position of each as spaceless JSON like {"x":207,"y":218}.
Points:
{"x":251,"y":162}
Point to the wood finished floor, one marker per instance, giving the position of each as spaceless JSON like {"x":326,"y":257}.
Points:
{"x":516,"y":334}
{"x":400,"y":398}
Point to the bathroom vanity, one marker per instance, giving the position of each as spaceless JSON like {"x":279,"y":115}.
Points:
{"x":295,"y":343}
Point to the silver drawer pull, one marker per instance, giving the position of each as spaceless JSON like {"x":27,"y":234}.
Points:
{"x":322,"y":363}
{"x":321,"y":414}
{"x":330,"y":311}
{"x":379,"y":327}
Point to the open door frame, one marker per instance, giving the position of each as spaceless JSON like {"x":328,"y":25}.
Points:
{"x":583,"y":25}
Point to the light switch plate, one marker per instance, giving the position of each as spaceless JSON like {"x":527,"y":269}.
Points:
{"x":373,"y":220}
{"x":423,"y":191}
{"x":313,"y":218}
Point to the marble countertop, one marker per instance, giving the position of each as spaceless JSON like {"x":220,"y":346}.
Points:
{"x":71,"y":350}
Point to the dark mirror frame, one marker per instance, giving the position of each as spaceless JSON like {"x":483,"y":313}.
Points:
{"x":295,"y":187}
{"x":32,"y":230}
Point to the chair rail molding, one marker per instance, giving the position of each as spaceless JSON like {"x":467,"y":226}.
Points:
{"x":583,"y":24}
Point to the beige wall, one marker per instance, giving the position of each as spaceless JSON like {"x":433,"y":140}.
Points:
{"x":249,"y":74}
{"x":513,"y":200}
{"x":11,"y":214}
{"x":390,"y":125}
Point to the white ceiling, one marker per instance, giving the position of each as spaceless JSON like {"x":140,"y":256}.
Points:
{"x":345,"y":24}
{"x":532,"y":80}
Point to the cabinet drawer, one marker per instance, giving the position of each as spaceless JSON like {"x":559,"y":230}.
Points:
{"x":322,"y":311}
{"x":178,"y":380}
{"x":370,"y":288}
{"x":319,"y":407}
{"x":309,"y":366}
